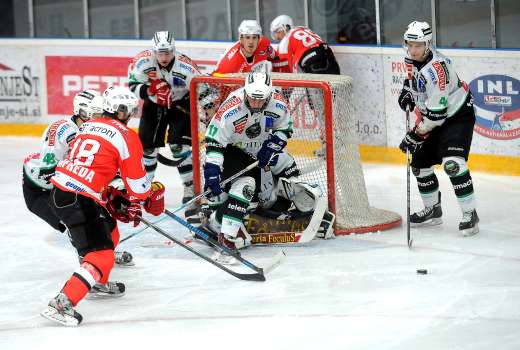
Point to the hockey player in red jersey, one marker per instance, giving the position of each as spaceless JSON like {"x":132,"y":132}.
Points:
{"x":252,"y":52}
{"x":302,"y":49}
{"x":89,"y":207}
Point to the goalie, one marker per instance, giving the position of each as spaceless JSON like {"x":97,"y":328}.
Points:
{"x":253,"y":123}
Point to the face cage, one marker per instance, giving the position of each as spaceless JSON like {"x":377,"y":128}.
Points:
{"x":123,"y":114}
{"x":255,"y":110}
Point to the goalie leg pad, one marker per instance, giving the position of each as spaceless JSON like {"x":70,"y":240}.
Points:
{"x":235,"y":207}
{"x":286,"y":166}
{"x":302,"y":194}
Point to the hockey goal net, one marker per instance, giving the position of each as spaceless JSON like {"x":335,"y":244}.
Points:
{"x":324,"y":143}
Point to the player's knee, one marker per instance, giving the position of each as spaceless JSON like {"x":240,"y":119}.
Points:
{"x":103,"y":261}
{"x":243,"y":188}
{"x":454,"y":166}
{"x":422,"y":172}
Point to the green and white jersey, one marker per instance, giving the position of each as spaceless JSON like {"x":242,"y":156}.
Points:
{"x":234,"y":124}
{"x":437,"y":90}
{"x":39,"y":167}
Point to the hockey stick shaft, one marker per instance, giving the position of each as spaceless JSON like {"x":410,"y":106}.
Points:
{"x":258,"y":276}
{"x":223,"y":183}
{"x":409,"y":73}
{"x":139,"y":230}
{"x":211,"y":241}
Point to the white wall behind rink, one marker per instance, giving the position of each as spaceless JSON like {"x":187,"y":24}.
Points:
{"x":378,"y":73}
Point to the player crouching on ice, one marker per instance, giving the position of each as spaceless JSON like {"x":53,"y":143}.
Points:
{"x":443,"y":131}
{"x":89,"y":207}
{"x":252,"y":124}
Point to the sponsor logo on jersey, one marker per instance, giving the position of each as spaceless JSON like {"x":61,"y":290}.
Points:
{"x":51,"y":134}
{"x":237,"y":207}
{"x":271,"y":115}
{"x":231,"y":113}
{"x":281,"y":106}
{"x":439,"y":69}
{"x":76,"y":169}
{"x":254,"y":130}
{"x":230,"y":103}
{"x":141,"y":62}
{"x":145,"y":53}
{"x":75,"y":187}
{"x":186,"y":67}
{"x":240,"y":124}
{"x":232,"y":53}
{"x":178,"y":75}
{"x":177,"y":82}
{"x":102,"y":130}
{"x":496,"y":99}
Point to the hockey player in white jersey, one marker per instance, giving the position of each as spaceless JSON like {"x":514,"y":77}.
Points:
{"x":39,"y":167}
{"x":444,"y":129}
{"x":161,"y":78}
{"x":253,"y":123}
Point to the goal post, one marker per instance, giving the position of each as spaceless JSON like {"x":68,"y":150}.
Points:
{"x":324,"y":142}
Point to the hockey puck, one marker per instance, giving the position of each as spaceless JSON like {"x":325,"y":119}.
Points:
{"x":422,"y":271}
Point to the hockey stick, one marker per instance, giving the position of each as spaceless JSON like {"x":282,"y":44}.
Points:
{"x":408,"y":236}
{"x":257,"y":276}
{"x":277,"y":260}
{"x":409,"y":69}
{"x":204,"y":194}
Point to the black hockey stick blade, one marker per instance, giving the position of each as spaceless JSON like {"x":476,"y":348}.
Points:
{"x":257,"y":276}
{"x":277,"y":260}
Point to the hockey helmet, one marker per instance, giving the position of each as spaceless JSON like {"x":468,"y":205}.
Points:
{"x":282,"y":22}
{"x":88,"y":104}
{"x":120,"y":101}
{"x":418,"y":31}
{"x":249,"y":27}
{"x":163,"y":41}
{"x":258,"y":86}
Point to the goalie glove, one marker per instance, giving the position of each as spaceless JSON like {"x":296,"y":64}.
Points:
{"x":154,"y":204}
{"x":120,"y":207}
{"x":162,"y":91}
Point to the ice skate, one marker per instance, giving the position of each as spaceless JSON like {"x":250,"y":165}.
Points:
{"x":469,"y":224}
{"x":429,"y":216}
{"x":223,"y":256}
{"x":60,"y":310}
{"x":107,"y":290}
{"x":124,"y":259}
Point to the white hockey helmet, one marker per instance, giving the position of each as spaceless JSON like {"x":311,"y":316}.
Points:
{"x":282,"y":22}
{"x":163,"y":41}
{"x":118,"y":100}
{"x":88,"y":104}
{"x":258,"y":86}
{"x":418,"y":31}
{"x":249,"y":27}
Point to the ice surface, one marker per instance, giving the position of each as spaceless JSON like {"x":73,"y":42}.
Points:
{"x":355,"y":292}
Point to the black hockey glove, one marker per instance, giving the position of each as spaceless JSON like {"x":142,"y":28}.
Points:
{"x":412,"y":142}
{"x":273,"y":145}
{"x":212,"y":174}
{"x":405,"y":98}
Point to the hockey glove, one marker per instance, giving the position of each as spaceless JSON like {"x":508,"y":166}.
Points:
{"x":212,"y":174}
{"x":272,"y":146}
{"x":412,"y":142}
{"x":162,"y":91}
{"x":120,"y":207}
{"x":405,"y":98}
{"x":154,"y":204}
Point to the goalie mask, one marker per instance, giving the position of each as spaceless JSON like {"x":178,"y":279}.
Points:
{"x":120,"y":102}
{"x":257,"y":91}
{"x":88,"y":104}
{"x":282,"y":22}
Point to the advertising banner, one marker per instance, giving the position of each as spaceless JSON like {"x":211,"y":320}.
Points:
{"x":20,"y":86}
{"x":67,"y":75}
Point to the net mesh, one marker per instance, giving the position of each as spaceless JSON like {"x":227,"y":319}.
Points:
{"x":324,"y":143}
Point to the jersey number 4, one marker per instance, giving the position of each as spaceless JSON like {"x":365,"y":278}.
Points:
{"x":84,"y":151}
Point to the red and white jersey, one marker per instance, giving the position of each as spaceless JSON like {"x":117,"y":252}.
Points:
{"x":234,"y":61}
{"x":54,"y":147}
{"x":103,"y":147}
{"x":294,"y":45}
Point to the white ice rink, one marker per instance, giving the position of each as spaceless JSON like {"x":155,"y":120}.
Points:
{"x":355,"y":292}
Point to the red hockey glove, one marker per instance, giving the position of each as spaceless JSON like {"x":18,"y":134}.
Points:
{"x":154,"y":204}
{"x":162,"y":91}
{"x":120,"y":207}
